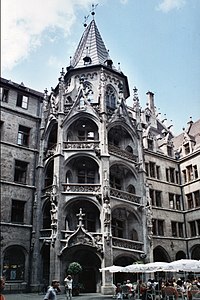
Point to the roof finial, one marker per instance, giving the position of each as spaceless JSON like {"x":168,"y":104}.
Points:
{"x":85,"y":21}
{"x":93,"y":9}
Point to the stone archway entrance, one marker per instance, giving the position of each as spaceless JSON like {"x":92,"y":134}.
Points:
{"x":90,"y":277}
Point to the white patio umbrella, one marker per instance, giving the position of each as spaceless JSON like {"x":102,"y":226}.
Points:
{"x":112,"y":269}
{"x":157,"y":266}
{"x":134,"y":268}
{"x":187,"y":265}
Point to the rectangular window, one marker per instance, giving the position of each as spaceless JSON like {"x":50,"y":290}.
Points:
{"x":20,"y":171}
{"x":17,"y":211}
{"x":190,"y":173}
{"x":174,"y":228}
{"x":23,"y":135}
{"x":171,"y":172}
{"x":152,"y":169}
{"x":22,"y":101}
{"x":198,"y":227}
{"x":158,"y":198}
{"x":184,"y":176}
{"x":195,"y":170}
{"x":177,"y":177}
{"x":147,"y":169}
{"x":151,"y":193}
{"x":158,"y":172}
{"x":169,"y":151}
{"x":150,"y":144}
{"x":187,"y":148}
{"x":158,"y":227}
{"x":171,"y":200}
{"x":197,"y":198}
{"x":167,"y":174}
{"x":178,"y":202}
{"x":190,"y":201}
{"x":117,"y":228}
{"x":4,"y":94}
{"x":180,"y":230}
{"x":193,"y":229}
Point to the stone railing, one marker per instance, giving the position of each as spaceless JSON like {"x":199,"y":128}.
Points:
{"x":122,"y":153}
{"x":124,"y":195}
{"x":127,"y":244}
{"x":81,"y":145}
{"x":81,"y":188}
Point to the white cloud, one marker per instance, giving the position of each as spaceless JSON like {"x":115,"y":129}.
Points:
{"x":168,"y":5}
{"x":24,"y":22}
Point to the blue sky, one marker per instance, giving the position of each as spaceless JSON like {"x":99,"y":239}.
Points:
{"x":157,"y":43}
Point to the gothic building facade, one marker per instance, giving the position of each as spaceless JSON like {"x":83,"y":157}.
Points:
{"x":87,"y":178}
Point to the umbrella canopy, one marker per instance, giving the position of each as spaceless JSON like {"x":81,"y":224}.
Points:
{"x":187,"y":265}
{"x":112,"y":269}
{"x":156,"y":266}
{"x":134,"y":268}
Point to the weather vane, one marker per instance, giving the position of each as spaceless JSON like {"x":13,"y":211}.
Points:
{"x":92,"y":11}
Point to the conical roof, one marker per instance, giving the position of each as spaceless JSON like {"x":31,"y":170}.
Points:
{"x":91,"y":49}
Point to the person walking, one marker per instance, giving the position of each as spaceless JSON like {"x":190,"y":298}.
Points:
{"x":52,"y":291}
{"x":68,"y":286}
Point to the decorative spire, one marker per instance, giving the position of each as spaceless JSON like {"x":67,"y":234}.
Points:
{"x":80,"y":218}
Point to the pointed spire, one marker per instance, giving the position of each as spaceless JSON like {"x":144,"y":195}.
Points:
{"x":91,"y":49}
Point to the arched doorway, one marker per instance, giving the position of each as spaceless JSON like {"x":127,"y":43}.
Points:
{"x":90,"y":278}
{"x":195,"y":252}
{"x":160,"y":254}
{"x":121,"y":277}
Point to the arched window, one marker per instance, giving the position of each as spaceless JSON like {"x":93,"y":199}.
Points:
{"x":47,"y":216}
{"x":49,"y":174}
{"x":14,"y":264}
{"x":131,"y":189}
{"x":110,"y":98}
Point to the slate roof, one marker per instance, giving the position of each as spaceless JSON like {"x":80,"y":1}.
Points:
{"x":91,"y":45}
{"x":193,"y":133}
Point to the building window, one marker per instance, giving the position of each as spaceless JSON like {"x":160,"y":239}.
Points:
{"x":110,"y":98}
{"x":4,"y":94}
{"x":171,"y":172}
{"x":86,"y":176}
{"x":23,"y":135}
{"x":193,"y":231}
{"x":150,"y":144}
{"x":180,"y":229}
{"x":184,"y":176}
{"x":147,"y":169}
{"x":174,"y":228}
{"x":117,"y":228}
{"x":152,"y":169}
{"x":187,"y":148}
{"x":115,"y":182}
{"x":190,"y":201}
{"x":89,"y":222}
{"x":158,"y":198}
{"x":169,"y":151}
{"x":177,"y":177}
{"x":17,"y":212}
{"x":178,"y":202}
{"x":189,"y":173}
{"x":198,"y":226}
{"x":158,"y":172}
{"x":22,"y":101}
{"x":195,"y":170}
{"x":20,"y":171}
{"x":14,"y":264}
{"x":197,"y":198}
{"x":158,"y":227}
{"x":171,"y":200}
{"x":167,"y":175}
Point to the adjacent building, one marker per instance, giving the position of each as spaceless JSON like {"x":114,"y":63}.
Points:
{"x":87,"y":178}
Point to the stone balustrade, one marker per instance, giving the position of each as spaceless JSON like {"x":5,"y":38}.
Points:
{"x":124,"y":195}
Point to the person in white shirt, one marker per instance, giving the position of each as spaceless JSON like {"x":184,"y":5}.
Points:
{"x":68,"y":286}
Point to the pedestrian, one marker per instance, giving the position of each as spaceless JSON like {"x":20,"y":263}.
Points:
{"x":2,"y":286}
{"x":119,"y":291}
{"x":68,"y":286}
{"x":52,"y":290}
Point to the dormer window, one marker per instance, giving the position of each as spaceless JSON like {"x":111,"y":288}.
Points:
{"x":147,"y":118}
{"x":150,"y":144}
{"x":169,"y":151}
{"x":187,"y":148}
{"x":87,"y":60}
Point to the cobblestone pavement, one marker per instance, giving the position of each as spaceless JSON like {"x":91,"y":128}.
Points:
{"x":32,"y":296}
